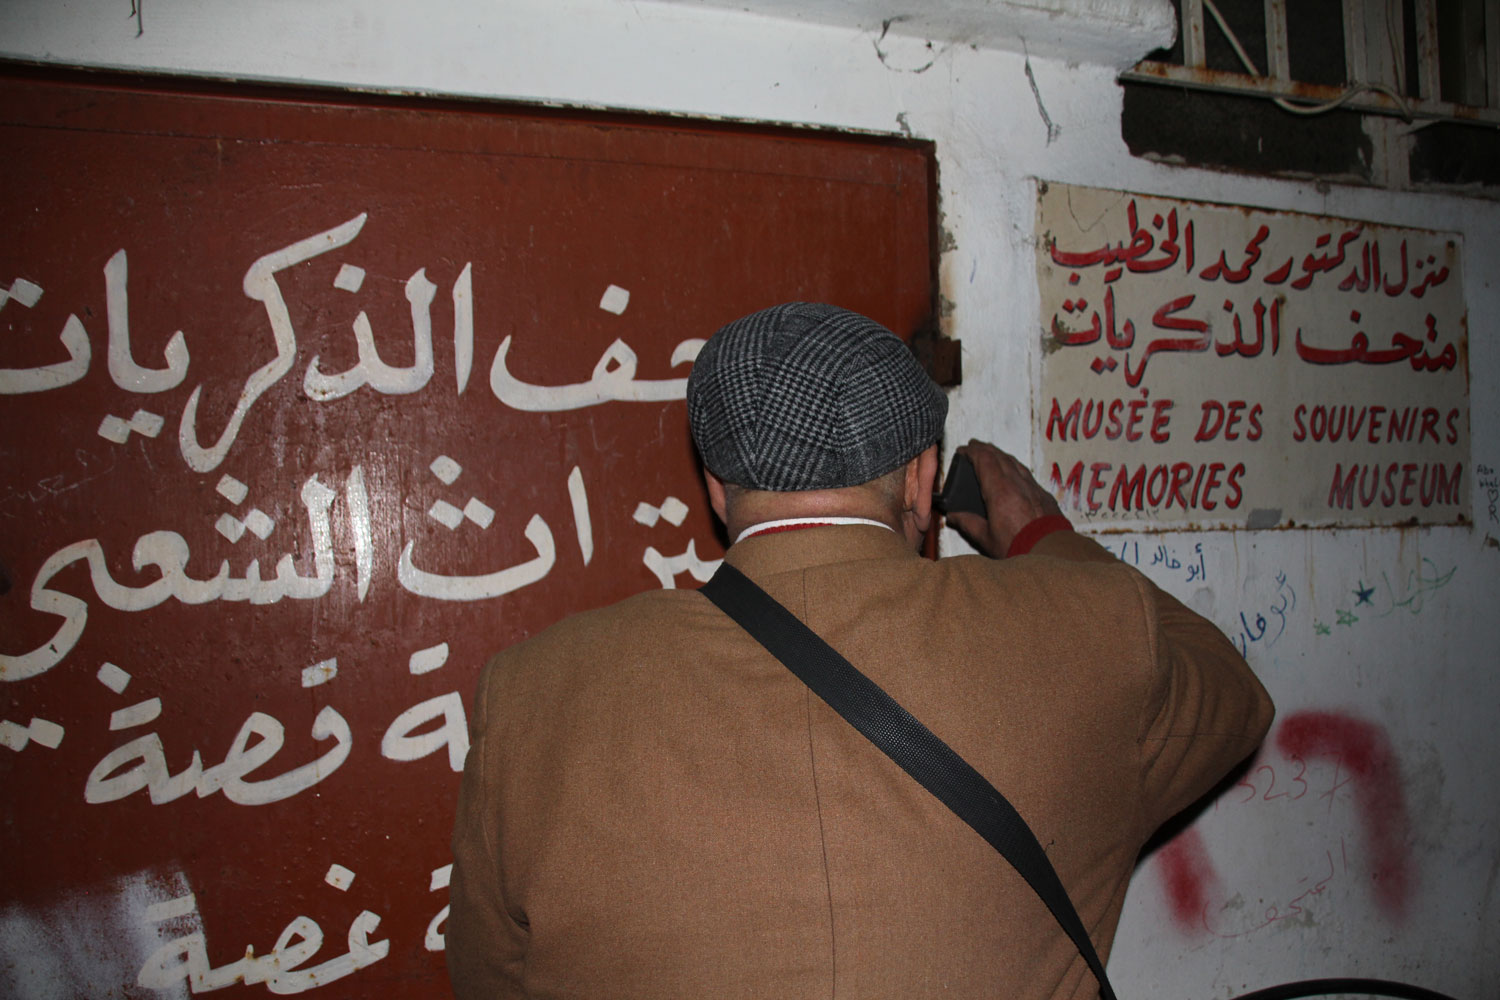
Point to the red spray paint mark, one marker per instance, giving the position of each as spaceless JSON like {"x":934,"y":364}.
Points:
{"x":1362,"y":750}
{"x":1188,"y":874}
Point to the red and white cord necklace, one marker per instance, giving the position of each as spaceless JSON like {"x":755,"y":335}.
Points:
{"x":794,"y":523}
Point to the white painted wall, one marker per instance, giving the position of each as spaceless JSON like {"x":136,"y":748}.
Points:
{"x":1424,"y":672}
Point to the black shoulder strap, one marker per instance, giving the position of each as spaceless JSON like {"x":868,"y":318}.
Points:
{"x":920,"y":753}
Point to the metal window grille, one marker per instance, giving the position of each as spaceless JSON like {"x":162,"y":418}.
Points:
{"x":1456,"y":59}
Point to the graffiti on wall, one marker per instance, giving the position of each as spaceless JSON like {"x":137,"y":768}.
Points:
{"x":1381,"y":597}
{"x":1489,"y":486}
{"x":1317,"y":767}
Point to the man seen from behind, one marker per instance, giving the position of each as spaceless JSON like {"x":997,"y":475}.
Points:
{"x":656,"y":807}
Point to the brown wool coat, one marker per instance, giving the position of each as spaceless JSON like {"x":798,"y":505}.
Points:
{"x":655,"y":807}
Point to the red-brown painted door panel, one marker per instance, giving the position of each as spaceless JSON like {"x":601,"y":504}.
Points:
{"x":426,"y":399}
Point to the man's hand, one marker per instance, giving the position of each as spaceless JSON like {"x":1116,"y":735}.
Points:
{"x":1014,"y":499}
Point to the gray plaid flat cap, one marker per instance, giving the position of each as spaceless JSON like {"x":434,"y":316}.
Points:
{"x":804,"y":396}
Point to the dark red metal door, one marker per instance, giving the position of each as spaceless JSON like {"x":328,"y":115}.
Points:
{"x":306,"y":407}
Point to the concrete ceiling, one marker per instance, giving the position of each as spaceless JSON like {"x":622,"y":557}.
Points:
{"x":1109,"y":32}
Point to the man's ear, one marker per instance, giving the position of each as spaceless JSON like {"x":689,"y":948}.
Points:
{"x":921,"y":478}
{"x":716,"y":496}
